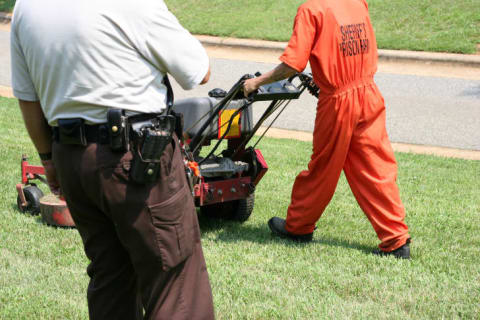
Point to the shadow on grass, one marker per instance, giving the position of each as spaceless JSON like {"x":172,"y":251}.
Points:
{"x":231,"y":231}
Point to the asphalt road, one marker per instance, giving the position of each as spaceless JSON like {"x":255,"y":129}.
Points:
{"x":422,"y":110}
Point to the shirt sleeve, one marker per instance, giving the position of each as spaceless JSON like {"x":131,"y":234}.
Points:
{"x":22,"y":83}
{"x":172,"y":49}
{"x":298,"y":50}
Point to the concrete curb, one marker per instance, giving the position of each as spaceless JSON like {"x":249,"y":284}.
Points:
{"x":469,"y":60}
{"x":6,"y":92}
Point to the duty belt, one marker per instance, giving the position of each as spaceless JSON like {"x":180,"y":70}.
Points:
{"x":97,"y":133}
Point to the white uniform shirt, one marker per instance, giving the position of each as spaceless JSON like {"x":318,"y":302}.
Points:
{"x":80,"y":57}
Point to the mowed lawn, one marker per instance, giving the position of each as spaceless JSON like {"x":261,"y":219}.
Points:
{"x":429,"y":25}
{"x":255,"y":276}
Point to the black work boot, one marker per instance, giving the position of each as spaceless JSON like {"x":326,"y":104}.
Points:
{"x":277,"y":225}
{"x":401,"y":253}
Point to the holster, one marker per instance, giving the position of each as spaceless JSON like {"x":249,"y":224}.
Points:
{"x":150,"y":138}
{"x":118,"y":128}
{"x":72,"y":131}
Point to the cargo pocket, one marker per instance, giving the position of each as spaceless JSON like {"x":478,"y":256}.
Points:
{"x":173,"y":222}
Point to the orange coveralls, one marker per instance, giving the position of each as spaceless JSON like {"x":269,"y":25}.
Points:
{"x":337,"y":37}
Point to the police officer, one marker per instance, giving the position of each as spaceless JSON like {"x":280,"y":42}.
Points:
{"x":337,"y":38}
{"x":71,"y":62}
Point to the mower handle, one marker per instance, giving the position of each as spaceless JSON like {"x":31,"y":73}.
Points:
{"x":233,"y":93}
{"x":236,"y":93}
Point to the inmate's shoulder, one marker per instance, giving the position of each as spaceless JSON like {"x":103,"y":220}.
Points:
{"x":365,"y":3}
{"x":312,"y":6}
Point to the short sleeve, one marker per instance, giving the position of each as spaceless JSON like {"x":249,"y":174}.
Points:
{"x":298,"y":50}
{"x":22,"y":84}
{"x":171,"y":48}
{"x":365,"y":3}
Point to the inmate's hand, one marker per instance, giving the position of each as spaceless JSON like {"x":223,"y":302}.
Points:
{"x":249,"y":86}
{"x":51,"y":174}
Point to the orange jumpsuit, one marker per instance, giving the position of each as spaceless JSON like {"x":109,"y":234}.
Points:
{"x":337,"y":37}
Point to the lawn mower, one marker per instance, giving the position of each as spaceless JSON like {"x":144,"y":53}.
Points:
{"x":222,"y":182}
{"x":31,"y":199}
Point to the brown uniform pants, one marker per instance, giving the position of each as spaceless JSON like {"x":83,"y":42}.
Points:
{"x":143,"y":240}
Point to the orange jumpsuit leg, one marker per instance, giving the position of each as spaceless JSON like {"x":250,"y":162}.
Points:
{"x":314,"y":188}
{"x":371,"y":171}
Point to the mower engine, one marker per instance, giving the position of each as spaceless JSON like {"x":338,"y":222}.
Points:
{"x":223,"y":168}
{"x":223,"y":182}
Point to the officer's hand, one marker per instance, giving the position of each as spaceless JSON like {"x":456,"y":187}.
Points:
{"x":249,"y":86}
{"x":51,"y":174}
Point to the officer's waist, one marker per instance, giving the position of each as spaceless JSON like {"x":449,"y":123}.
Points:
{"x":354,"y":85}
{"x":76,"y":131}
{"x":93,"y":133}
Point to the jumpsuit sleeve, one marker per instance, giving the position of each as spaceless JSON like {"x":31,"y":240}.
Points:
{"x":298,"y":50}
{"x":365,"y":3}
{"x":22,"y":83}
{"x":172,"y":49}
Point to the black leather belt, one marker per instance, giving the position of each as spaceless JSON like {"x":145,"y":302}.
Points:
{"x":97,"y":133}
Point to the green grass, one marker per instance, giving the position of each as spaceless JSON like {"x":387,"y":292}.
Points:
{"x":430,"y":25}
{"x":7,"y":5}
{"x":255,"y":276}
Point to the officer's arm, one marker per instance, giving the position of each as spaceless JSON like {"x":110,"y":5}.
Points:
{"x":36,"y":125}
{"x":41,"y":136}
{"x":282,"y":71}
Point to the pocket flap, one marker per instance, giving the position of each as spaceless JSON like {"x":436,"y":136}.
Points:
{"x":171,"y":210}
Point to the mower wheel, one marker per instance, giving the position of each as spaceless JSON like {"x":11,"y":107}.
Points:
{"x":237,"y":210}
{"x":32,"y":195}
